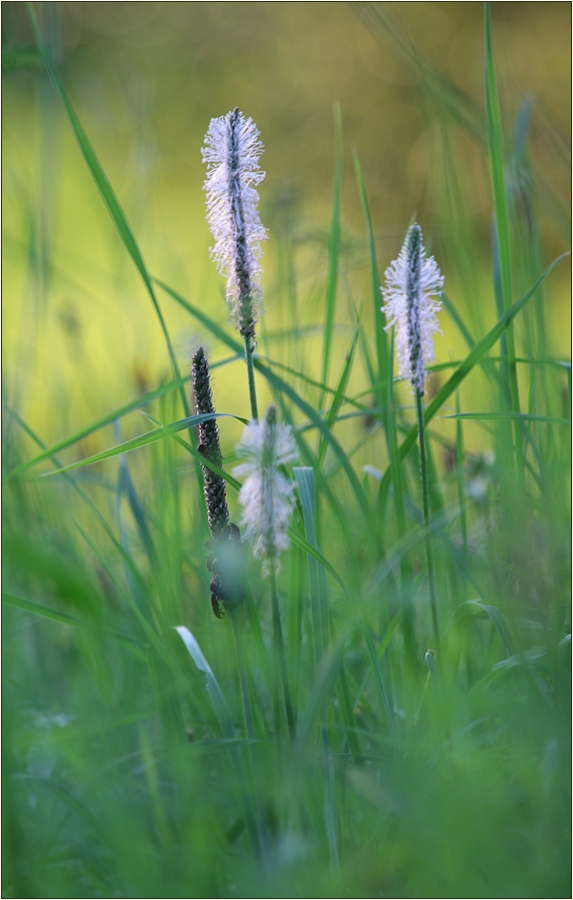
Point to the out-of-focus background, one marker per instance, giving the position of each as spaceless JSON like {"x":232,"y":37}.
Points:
{"x":416,"y":771}
{"x":80,"y":335}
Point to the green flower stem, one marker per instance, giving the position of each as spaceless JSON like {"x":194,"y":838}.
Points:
{"x":280,"y":655}
{"x":426,"y":510}
{"x":251,"y":375}
{"x":245,"y":693}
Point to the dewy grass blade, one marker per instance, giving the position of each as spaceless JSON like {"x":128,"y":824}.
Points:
{"x":108,"y":195}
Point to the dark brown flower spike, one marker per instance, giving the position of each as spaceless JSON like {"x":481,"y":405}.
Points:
{"x":226,"y":585}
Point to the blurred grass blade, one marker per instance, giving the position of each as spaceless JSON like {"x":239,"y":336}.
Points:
{"x":148,"y":438}
{"x":313,"y":551}
{"x":339,"y":394}
{"x":377,"y":668}
{"x":216,"y":330}
{"x":497,"y":166}
{"x":524,"y":417}
{"x":284,"y":388}
{"x":478,"y":607}
{"x":222,"y":711}
{"x":378,"y":315}
{"x":317,"y":575}
{"x":333,"y":246}
{"x":46,"y":612}
{"x":96,"y":426}
{"x":457,"y":319}
{"x":431,"y":664}
{"x":107,"y":194}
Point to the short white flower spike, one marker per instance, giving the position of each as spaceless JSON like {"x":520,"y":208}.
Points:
{"x":413,"y":285}
{"x":232,"y":151}
{"x":267,"y":497}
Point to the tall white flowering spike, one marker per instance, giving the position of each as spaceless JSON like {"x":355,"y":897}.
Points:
{"x":267,"y":497}
{"x":232,"y":151}
{"x":413,"y":285}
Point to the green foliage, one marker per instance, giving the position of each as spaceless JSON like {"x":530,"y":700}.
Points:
{"x":147,"y":748}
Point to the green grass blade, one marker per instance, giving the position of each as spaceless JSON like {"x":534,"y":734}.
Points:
{"x":524,"y":417}
{"x":108,"y":195}
{"x":148,"y":438}
{"x":96,"y":426}
{"x":317,"y":576}
{"x":220,"y":706}
{"x":477,"y":607}
{"x":377,"y":668}
{"x":497,"y":167}
{"x":457,"y":319}
{"x":378,"y":315}
{"x":339,"y":394}
{"x":282,"y":387}
{"x":46,"y":612}
{"x":333,"y":247}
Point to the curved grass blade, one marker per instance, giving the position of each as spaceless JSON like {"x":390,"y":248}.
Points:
{"x":96,"y":426}
{"x":220,"y":707}
{"x":333,"y":246}
{"x":46,"y":612}
{"x":148,"y":438}
{"x":110,"y":418}
{"x":477,"y":607}
{"x":524,"y":417}
{"x":107,"y":194}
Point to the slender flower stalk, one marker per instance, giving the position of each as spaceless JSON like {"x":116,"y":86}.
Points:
{"x":232,"y":151}
{"x":413,"y":286}
{"x":267,"y":498}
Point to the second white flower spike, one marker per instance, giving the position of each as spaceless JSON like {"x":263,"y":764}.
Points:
{"x":267,"y":497}
{"x":413,"y":285}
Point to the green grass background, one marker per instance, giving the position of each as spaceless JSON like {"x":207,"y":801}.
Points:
{"x":128,"y":771}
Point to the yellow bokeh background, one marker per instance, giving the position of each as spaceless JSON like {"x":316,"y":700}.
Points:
{"x":80,"y":335}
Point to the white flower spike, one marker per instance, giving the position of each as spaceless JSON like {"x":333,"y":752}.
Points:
{"x":232,"y":151}
{"x":267,"y":497}
{"x":413,"y":285}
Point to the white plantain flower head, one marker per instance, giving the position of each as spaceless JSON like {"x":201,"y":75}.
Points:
{"x":267,"y":497}
{"x":232,"y":151}
{"x":413,"y":285}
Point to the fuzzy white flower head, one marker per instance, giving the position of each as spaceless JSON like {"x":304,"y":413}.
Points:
{"x":232,"y":151}
{"x":267,"y":497}
{"x":413,"y":285}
